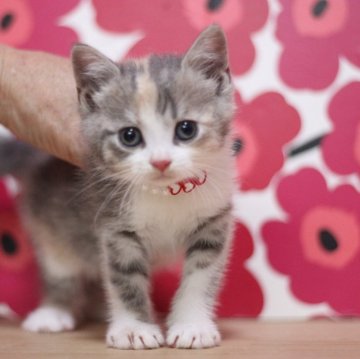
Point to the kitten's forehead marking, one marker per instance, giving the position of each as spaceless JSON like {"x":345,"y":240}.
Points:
{"x":146,"y":93}
{"x":165,"y":102}
{"x":153,"y":98}
{"x":163,"y":70}
{"x":145,"y":99}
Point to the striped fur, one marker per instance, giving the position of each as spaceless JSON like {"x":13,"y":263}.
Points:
{"x":100,"y":226}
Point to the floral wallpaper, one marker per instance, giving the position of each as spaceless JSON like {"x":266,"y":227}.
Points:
{"x":315,"y":35}
{"x":320,"y":238}
{"x":33,"y":24}
{"x":296,"y":68}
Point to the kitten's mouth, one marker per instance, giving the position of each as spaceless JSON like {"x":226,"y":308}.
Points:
{"x":164,"y":178}
{"x":186,"y":185}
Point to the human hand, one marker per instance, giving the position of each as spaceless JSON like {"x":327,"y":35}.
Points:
{"x":38,"y":102}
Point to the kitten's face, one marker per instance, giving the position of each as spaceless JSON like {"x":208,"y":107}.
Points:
{"x":159,"y":120}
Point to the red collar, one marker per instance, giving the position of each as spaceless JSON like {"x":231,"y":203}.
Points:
{"x":187,"y":185}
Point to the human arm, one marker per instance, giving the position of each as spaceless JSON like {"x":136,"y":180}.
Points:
{"x":38,"y":102}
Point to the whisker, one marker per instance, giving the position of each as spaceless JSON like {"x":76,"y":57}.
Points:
{"x":90,"y":184}
{"x":107,"y":200}
{"x":126,"y":198}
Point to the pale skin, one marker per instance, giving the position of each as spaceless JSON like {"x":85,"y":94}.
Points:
{"x":38,"y":102}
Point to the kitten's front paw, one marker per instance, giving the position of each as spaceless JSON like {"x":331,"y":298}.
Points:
{"x":134,"y":335}
{"x":193,"y":335}
{"x":49,"y":320}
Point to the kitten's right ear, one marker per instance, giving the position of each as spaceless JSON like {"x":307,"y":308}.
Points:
{"x":92,"y":70}
{"x":209,"y":54}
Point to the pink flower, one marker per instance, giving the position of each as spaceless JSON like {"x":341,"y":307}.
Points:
{"x":33,"y":24}
{"x":171,"y":26}
{"x":16,"y":22}
{"x":315,"y":34}
{"x":341,"y":149}
{"x":318,"y":246}
{"x":262,"y":128}
{"x":19,"y":281}
{"x":241,"y":294}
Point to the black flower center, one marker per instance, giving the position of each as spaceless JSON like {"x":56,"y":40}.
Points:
{"x":8,"y":244}
{"x":214,"y":5}
{"x":320,"y":7}
{"x":328,"y":240}
{"x":6,"y":21}
{"x":237,"y":146}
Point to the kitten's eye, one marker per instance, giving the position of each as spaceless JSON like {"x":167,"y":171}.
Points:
{"x":130,"y":136}
{"x":186,"y":130}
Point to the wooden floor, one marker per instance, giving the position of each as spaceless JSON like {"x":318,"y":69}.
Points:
{"x":241,"y":339}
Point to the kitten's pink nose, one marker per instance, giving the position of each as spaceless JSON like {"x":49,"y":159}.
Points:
{"x":161,"y":165}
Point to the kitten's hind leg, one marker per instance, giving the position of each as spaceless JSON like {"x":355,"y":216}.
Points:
{"x":63,"y":300}
{"x":49,"y":319}
{"x":60,"y":309}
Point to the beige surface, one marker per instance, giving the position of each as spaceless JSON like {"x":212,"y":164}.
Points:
{"x":242,"y":339}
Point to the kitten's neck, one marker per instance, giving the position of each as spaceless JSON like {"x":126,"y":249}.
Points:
{"x":184,"y":186}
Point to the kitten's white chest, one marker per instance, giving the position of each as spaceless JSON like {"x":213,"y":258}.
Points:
{"x":163,"y":221}
{"x":166,"y":221}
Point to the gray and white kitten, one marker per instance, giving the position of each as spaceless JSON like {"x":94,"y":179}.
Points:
{"x":158,"y":185}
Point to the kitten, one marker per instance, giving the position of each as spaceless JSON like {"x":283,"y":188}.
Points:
{"x":158,"y":184}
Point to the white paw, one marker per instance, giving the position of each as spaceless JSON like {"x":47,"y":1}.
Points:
{"x":49,"y":319}
{"x":193,"y":335}
{"x":134,"y":335}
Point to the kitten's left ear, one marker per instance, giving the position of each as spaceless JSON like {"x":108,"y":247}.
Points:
{"x":92,"y":70}
{"x":209,"y":54}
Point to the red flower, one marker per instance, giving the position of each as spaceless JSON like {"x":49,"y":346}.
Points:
{"x":262,"y":128}
{"x":315,"y":34}
{"x":171,"y":26}
{"x":19,"y":282}
{"x":341,"y":149}
{"x":33,"y":24}
{"x":241,"y":294}
{"x":319,"y":244}
{"x":16,"y":22}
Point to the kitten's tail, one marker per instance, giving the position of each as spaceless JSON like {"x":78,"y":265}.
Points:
{"x":17,"y":158}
